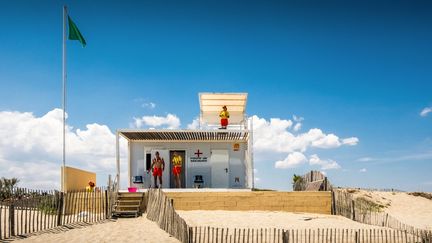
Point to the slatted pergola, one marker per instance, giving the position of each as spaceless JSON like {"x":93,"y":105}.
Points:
{"x":185,"y":135}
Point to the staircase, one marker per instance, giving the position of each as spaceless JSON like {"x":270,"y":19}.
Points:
{"x":128,"y":204}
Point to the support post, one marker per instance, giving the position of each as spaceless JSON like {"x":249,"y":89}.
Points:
{"x":64,"y":96}
{"x":118,"y":157}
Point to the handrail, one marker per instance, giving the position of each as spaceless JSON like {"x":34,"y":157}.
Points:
{"x":113,"y":189}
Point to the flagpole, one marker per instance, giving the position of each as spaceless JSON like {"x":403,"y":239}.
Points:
{"x":64,"y":98}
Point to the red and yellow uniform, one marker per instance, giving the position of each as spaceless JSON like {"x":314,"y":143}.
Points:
{"x":224,"y":115}
{"x":177,"y":163}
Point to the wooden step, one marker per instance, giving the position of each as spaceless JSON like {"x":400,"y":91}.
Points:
{"x":129,"y":213}
{"x":131,"y":194}
{"x":128,"y":206}
{"x":128,"y":199}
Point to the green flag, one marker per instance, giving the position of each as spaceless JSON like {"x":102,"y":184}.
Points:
{"x":74,"y":33}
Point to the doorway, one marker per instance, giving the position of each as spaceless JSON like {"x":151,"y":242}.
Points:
{"x":220,"y":168}
{"x":182,"y":154}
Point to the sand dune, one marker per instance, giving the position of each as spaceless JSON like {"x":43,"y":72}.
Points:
{"x":412,"y":210}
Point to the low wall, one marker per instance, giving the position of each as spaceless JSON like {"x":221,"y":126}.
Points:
{"x":76,"y":179}
{"x":308,"y":202}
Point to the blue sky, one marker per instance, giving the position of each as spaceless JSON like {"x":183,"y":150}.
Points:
{"x":355,"y":69}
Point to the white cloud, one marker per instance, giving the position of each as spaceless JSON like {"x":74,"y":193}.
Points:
{"x":170,"y":121}
{"x":350,"y":141}
{"x":194,"y":124}
{"x":272,"y":138}
{"x":365,"y":159}
{"x":149,"y":105}
{"x":255,"y":171}
{"x":257,"y":179}
{"x":31,"y":148}
{"x":326,"y":141}
{"x":325,"y":164}
{"x":297,"y":127}
{"x":273,"y":135}
{"x":363,"y":170}
{"x":297,"y":118}
{"x":426,"y":111}
{"x":292,"y":160}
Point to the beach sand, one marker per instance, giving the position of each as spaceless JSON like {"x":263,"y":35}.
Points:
{"x":122,"y":230}
{"x":266,"y":219}
{"x":412,"y":210}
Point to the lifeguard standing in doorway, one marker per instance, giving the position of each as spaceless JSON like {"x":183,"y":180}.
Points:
{"x":158,"y":166}
{"x":224,"y":115}
{"x":177,"y":166}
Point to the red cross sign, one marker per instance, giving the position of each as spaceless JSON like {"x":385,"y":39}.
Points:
{"x":198,"y":153}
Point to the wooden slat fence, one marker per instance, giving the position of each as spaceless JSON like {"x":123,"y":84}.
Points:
{"x":275,"y":235}
{"x":160,"y":209}
{"x":360,"y":211}
{"x":28,"y":211}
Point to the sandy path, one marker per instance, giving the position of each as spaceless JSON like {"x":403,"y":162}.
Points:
{"x":264,"y":219}
{"x":123,"y":230}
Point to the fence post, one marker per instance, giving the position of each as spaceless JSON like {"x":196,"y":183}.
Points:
{"x":12,"y":219}
{"x":190,"y":235}
{"x":60,"y":209}
{"x":333,"y":198}
{"x":106,"y":204}
{"x":353,"y":209}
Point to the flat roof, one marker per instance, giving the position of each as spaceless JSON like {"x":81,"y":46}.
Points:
{"x":211,"y":104}
{"x":167,"y":135}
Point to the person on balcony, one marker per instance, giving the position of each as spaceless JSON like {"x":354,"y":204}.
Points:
{"x":224,"y":115}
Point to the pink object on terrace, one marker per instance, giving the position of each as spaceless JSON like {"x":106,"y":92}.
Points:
{"x":132,"y":189}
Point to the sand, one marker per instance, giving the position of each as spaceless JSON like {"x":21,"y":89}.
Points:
{"x":122,"y":230}
{"x":411,"y":210}
{"x":266,"y":219}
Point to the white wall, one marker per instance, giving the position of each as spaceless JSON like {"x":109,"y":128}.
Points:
{"x":236,"y":164}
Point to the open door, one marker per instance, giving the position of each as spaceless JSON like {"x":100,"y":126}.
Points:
{"x":164,"y":154}
{"x":220,"y":168}
{"x":182,"y":154}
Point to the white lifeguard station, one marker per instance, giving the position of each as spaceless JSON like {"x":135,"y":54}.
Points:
{"x":212,"y":157}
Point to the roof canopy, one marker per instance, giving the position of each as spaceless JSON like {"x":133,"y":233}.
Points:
{"x":211,"y":104}
{"x":184,"y":135}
